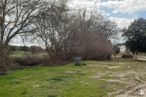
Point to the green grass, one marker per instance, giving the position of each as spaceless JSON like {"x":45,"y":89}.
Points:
{"x":65,"y":81}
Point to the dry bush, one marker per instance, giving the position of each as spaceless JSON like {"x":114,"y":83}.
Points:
{"x":36,"y":61}
{"x":127,"y":56}
{"x":2,"y":70}
{"x":93,"y":47}
{"x":28,"y":61}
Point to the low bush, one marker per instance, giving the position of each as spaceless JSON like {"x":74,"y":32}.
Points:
{"x":28,"y":61}
{"x":2,"y":70}
{"x":127,"y":56}
{"x":35,"y":61}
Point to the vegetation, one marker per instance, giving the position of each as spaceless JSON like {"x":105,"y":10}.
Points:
{"x":66,"y":34}
{"x":125,"y":56}
{"x":20,"y":13}
{"x":136,"y":36}
{"x":116,"y":50}
{"x":96,"y":79}
{"x":33,"y":49}
{"x":16,"y":17}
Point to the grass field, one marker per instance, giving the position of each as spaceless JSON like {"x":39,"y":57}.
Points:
{"x":96,"y":79}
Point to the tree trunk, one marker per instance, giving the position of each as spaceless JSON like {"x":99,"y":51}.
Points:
{"x":3,"y":58}
{"x":135,"y":56}
{"x":115,"y":56}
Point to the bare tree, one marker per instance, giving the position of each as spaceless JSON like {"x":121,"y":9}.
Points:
{"x":52,"y":28}
{"x":16,"y":18}
{"x":69,"y":34}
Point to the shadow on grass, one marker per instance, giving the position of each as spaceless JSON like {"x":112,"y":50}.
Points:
{"x":58,"y":79}
{"x":52,"y":96}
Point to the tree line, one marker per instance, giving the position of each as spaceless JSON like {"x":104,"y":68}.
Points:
{"x":32,"y":49}
{"x":64,"y":32}
{"x":135,"y":36}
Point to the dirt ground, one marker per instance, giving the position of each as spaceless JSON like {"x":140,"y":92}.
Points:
{"x":132,"y":80}
{"x":127,"y":79}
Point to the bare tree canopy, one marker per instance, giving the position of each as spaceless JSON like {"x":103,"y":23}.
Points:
{"x":66,"y":33}
{"x":52,"y":27}
{"x":16,"y":17}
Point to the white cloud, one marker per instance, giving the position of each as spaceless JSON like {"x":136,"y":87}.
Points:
{"x":121,"y":22}
{"x":81,"y":4}
{"x":119,"y":6}
{"x":125,"y":6}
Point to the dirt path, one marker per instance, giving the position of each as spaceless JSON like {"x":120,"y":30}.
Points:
{"x":125,"y":79}
{"x":137,"y":89}
{"x":134,"y":91}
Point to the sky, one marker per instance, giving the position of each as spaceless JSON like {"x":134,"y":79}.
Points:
{"x":123,"y":12}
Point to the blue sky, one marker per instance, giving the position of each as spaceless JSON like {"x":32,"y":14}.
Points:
{"x":123,"y":12}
